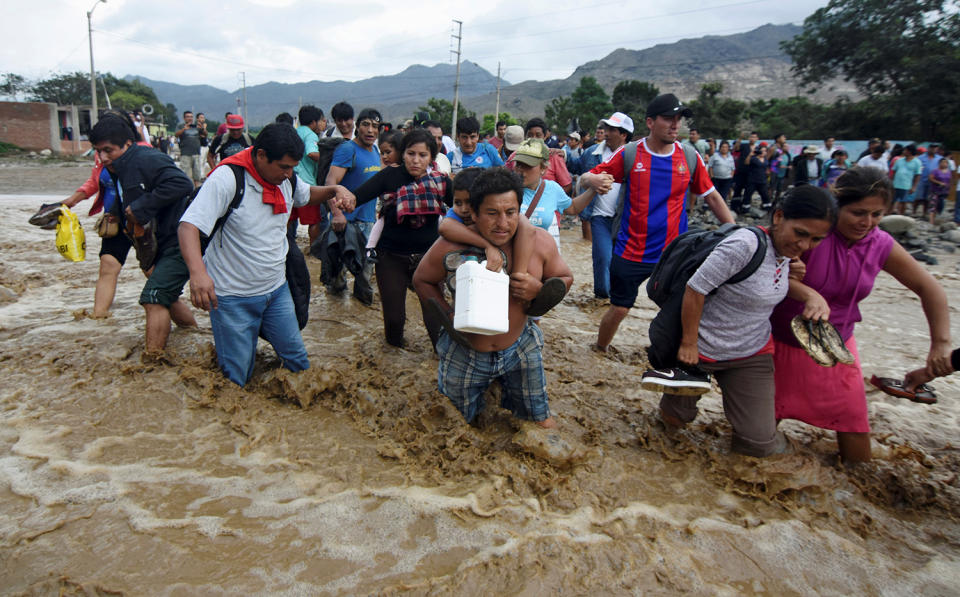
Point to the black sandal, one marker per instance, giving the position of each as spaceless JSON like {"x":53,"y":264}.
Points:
{"x":550,"y":295}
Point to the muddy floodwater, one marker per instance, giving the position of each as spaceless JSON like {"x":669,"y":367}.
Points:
{"x":121,"y":474}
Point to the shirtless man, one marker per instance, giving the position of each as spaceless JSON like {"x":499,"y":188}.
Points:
{"x":469,"y":363}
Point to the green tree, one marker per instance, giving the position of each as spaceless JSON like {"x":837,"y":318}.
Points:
{"x":907,"y":50}
{"x":590,"y":102}
{"x":717,"y":116}
{"x":63,"y":89}
{"x":12,"y":84}
{"x":581,"y":109}
{"x":74,"y":88}
{"x":631,"y":97}
{"x":441,"y":110}
{"x":489,"y":124}
{"x":559,"y":113}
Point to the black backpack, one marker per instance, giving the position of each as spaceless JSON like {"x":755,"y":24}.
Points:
{"x":679,"y":261}
{"x":325,"y":148}
{"x":298,"y":276}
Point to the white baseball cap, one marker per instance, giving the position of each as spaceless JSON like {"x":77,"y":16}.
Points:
{"x":619,"y":120}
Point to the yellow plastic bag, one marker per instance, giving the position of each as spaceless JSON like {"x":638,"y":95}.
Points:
{"x":71,"y":242}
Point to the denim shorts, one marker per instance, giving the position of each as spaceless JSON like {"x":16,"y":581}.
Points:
{"x":465,"y":374}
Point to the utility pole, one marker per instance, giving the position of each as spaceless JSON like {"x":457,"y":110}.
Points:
{"x":456,"y":83}
{"x":243,"y":81}
{"x":496,"y":113}
{"x":93,"y":76}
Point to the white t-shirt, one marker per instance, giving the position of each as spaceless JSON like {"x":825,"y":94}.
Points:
{"x":606,"y":205}
{"x":443,"y":164}
{"x":247,"y":256}
{"x":867,"y":161}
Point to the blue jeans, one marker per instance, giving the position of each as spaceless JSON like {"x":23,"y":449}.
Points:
{"x":239,"y":320}
{"x":601,"y":227}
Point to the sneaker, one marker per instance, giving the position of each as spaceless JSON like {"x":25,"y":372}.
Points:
{"x":47,"y":215}
{"x":676,"y":381}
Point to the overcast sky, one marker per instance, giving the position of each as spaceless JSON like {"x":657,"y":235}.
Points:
{"x":205,"y":42}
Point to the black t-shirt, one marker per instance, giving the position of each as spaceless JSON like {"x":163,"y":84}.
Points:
{"x":400,"y":237}
{"x":225,"y":145}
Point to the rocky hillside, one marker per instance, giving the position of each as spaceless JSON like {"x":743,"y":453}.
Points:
{"x":750,"y":65}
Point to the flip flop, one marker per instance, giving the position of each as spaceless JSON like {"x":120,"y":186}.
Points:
{"x":831,"y":340}
{"x":437,"y":311}
{"x":550,"y":295}
{"x":810,"y":341}
{"x":894,"y":387}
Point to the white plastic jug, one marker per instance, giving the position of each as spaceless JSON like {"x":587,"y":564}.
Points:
{"x":482,"y":301}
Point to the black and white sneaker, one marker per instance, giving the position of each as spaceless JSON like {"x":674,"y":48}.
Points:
{"x":676,"y":381}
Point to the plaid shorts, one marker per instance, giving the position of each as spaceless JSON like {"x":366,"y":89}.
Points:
{"x":464,"y":375}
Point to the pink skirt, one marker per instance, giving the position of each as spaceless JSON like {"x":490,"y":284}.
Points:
{"x":827,"y":397}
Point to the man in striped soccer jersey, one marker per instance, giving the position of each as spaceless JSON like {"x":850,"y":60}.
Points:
{"x":654,"y":206}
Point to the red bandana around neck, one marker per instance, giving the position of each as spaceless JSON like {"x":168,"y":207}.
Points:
{"x":271,"y":192}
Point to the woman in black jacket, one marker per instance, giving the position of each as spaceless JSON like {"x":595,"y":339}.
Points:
{"x":413,"y":196}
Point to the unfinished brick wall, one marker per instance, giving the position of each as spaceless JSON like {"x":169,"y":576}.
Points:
{"x":30,"y":125}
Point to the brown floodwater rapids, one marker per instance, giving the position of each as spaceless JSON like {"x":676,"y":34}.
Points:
{"x":127,"y":474}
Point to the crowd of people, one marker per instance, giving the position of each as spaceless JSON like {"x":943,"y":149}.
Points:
{"x":402,"y":206}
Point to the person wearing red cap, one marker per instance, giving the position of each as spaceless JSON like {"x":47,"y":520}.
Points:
{"x":229,"y":143}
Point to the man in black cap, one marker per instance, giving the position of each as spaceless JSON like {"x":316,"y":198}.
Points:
{"x":651,"y":211}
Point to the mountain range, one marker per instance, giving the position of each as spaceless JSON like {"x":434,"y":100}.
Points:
{"x":750,"y":65}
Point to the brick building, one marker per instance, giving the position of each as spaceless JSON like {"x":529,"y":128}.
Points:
{"x":40,"y":125}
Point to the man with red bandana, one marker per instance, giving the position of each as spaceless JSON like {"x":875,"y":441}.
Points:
{"x":241,"y":279}
{"x":653,"y":211}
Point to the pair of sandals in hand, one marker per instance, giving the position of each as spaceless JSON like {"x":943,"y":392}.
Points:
{"x":825,"y":346}
{"x":550,"y":295}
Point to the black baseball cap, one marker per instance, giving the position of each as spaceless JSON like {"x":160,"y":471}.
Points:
{"x":667,"y":105}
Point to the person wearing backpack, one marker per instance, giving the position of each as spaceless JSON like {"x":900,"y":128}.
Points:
{"x":651,"y":209}
{"x":725,"y":325}
{"x":241,"y":277}
{"x":232,"y":142}
{"x":312,"y":125}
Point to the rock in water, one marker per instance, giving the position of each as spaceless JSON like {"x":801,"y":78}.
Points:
{"x":950,"y":235}
{"x":549,"y":445}
{"x":897,"y":224}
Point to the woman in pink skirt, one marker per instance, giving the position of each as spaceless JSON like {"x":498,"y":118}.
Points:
{"x":840,"y":273}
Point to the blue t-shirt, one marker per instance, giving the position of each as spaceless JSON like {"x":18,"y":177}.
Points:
{"x":553,"y":199}
{"x":307,"y":168}
{"x":904,"y":171}
{"x":484,"y":156}
{"x":107,"y":189}
{"x":361,"y":164}
{"x":454,"y":215}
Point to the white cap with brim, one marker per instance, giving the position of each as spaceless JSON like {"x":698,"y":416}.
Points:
{"x":619,"y":120}
{"x":513,"y":137}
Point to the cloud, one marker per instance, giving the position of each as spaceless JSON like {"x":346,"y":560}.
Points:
{"x":207,"y":42}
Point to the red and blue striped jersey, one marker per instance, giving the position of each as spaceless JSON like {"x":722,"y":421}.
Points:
{"x":654,"y":208}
